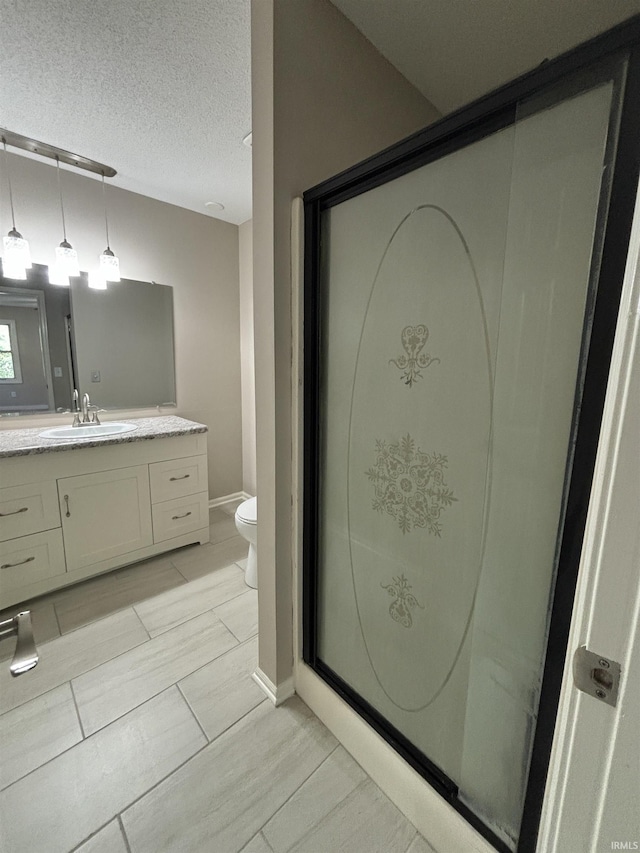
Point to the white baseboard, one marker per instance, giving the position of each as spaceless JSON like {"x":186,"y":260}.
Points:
{"x":235,"y":496}
{"x":278,"y":694}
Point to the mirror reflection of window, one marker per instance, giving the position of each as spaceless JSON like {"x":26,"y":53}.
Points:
{"x":26,"y":385}
{"x":10,"y":372}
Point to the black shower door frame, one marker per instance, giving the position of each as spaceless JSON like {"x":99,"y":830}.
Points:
{"x":481,"y":118}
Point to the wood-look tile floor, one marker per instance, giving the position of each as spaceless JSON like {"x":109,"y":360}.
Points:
{"x":142,"y":731}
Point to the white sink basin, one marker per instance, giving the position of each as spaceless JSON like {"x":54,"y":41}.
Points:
{"x":87,"y":431}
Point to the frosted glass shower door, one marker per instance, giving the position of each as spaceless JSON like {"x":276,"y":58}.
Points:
{"x":410,"y":367}
{"x":453,"y":304}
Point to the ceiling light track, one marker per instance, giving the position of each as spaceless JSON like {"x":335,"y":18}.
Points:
{"x":16,"y":140}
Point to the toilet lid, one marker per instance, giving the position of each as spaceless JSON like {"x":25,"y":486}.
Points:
{"x":248,"y":511}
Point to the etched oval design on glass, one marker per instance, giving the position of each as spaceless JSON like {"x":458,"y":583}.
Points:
{"x":419,"y":466}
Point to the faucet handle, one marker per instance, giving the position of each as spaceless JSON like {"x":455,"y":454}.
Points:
{"x":94,"y":414}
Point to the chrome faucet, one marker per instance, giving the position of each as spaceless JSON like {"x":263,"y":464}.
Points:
{"x":89,"y":413}
{"x":76,"y":408}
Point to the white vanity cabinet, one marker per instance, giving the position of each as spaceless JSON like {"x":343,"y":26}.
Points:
{"x":105,"y":515}
{"x":66,"y":516}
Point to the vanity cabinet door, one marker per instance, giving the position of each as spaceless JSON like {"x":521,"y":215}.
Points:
{"x":105,"y":514}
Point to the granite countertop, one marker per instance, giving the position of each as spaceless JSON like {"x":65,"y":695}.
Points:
{"x":27,"y":442}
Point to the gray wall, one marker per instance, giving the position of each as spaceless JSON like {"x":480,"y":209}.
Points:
{"x":57,"y":307}
{"x":247,"y":359}
{"x":323,"y":98}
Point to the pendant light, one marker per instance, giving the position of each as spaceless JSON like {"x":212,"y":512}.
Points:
{"x":96,"y":280}
{"x":16,"y":255}
{"x":58,"y":276}
{"x":109,"y":263}
{"x":66,"y":256}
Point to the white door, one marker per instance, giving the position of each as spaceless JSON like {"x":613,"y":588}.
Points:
{"x":592,"y":802}
{"x":105,"y":514}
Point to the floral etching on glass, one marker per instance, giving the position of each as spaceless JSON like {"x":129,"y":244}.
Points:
{"x":403,"y":602}
{"x":413,"y":360}
{"x":409,"y":485}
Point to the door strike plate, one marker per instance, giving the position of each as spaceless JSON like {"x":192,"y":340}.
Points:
{"x":596,"y":675}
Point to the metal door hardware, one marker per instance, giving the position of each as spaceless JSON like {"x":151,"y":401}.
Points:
{"x":596,"y":675}
{"x":26,"y":654}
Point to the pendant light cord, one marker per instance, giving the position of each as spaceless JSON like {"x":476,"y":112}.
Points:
{"x":64,"y":227}
{"x":6,"y":160}
{"x":106,"y":221}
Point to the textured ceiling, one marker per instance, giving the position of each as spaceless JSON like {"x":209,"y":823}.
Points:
{"x":158,"y":89}
{"x":453,"y":51}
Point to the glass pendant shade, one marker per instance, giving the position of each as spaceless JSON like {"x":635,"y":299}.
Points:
{"x":109,"y":265}
{"x":16,"y":250}
{"x":10,"y":269}
{"x":58,"y":276}
{"x":67,"y":259}
{"x":97,"y":281}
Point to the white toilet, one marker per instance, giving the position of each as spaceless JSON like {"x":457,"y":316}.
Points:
{"x":247,"y":524}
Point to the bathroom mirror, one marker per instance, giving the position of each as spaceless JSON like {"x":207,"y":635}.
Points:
{"x":116,"y":344}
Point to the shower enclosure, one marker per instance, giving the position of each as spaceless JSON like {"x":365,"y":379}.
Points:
{"x":461,"y":292}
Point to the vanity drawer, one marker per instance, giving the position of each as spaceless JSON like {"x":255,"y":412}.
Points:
{"x":29,"y":559}
{"x":178,"y":477}
{"x":183,"y":515}
{"x":28,"y":509}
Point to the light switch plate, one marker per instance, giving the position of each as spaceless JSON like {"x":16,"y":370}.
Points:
{"x":57,"y":372}
{"x":95,"y":376}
